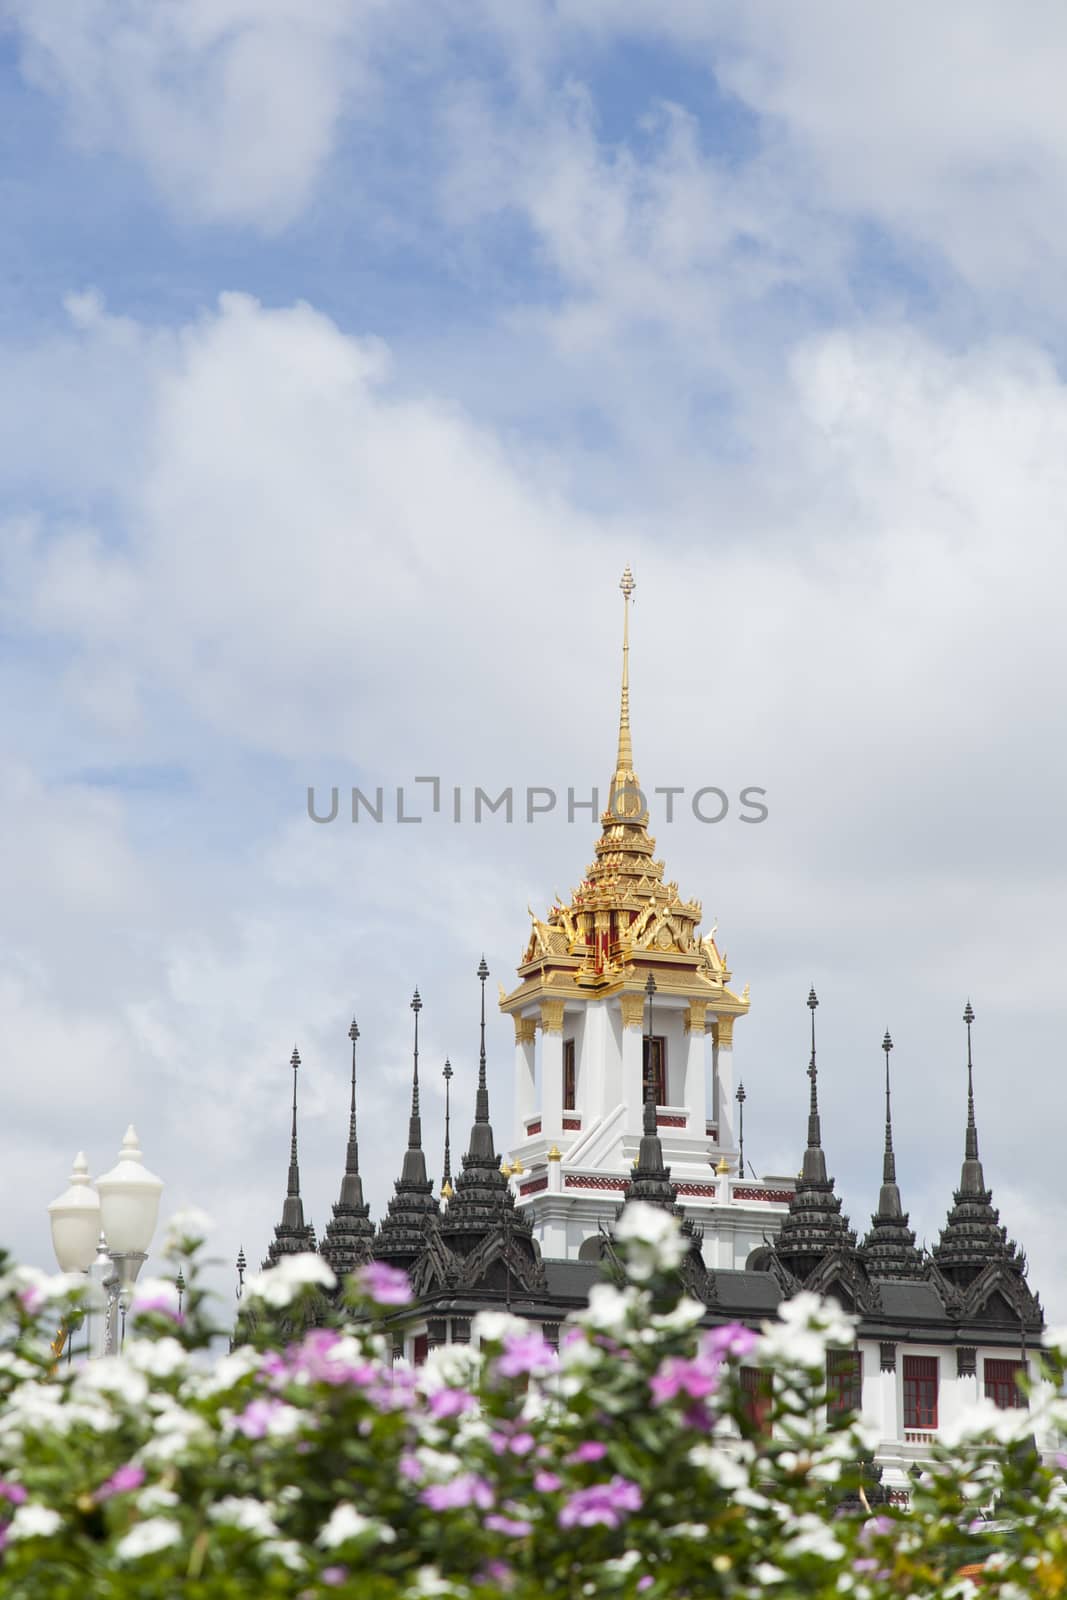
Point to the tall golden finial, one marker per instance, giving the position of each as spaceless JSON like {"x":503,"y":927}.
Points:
{"x":625,"y":761}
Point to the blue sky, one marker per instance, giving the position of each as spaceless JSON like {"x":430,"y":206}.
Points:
{"x":347,"y":359}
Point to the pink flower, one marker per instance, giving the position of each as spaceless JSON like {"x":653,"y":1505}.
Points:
{"x":588,"y":1450}
{"x":121,"y":1481}
{"x":732,"y":1340}
{"x":410,"y":1468}
{"x":697,"y":1379}
{"x":509,"y":1525}
{"x":497,"y":1572}
{"x":255,"y":1420}
{"x":450,"y":1403}
{"x":319,"y":1358}
{"x":466,"y":1489}
{"x":163,"y":1301}
{"x":14,"y":1493}
{"x":526,"y":1352}
{"x":601,"y":1502}
{"x":519,"y":1444}
{"x":385,"y":1285}
{"x":333,"y":1577}
{"x":546,"y":1482}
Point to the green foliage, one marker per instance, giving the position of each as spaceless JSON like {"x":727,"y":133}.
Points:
{"x":304,"y":1463}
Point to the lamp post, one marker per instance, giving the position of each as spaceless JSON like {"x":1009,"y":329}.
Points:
{"x":740,"y":1097}
{"x":104,"y":1230}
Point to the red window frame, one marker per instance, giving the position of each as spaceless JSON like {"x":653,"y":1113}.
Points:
{"x":570,"y":1087}
{"x":655,"y":1046}
{"x":844,"y":1382}
{"x":1001,"y":1384}
{"x":756,"y":1396}
{"x":920,"y":1391}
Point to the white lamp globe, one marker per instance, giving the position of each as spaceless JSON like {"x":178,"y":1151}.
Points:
{"x":75,"y":1220}
{"x":129,"y":1200}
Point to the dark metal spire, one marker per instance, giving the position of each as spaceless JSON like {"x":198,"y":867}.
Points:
{"x":973,"y":1235}
{"x":414,"y":1160}
{"x":889,"y":1250}
{"x":481,"y":1104}
{"x":293,"y":1210}
{"x":651,"y":1179}
{"x":970,"y":1148}
{"x":648,"y":1125}
{"x":349,"y":1233}
{"x":292,"y":1235}
{"x":889,"y":1166}
{"x":294,"y":1169}
{"x":242,"y":1268}
{"x":482,"y":1148}
{"x":814,"y":1160}
{"x":740,"y":1097}
{"x":483,"y":1202}
{"x":447,"y":1074}
{"x":402,"y":1234}
{"x":352,"y":1153}
{"x":814,"y":1225}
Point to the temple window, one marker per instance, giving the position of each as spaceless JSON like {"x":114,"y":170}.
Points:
{"x":569,"y":1078}
{"x":920,"y":1391}
{"x":655,"y":1061}
{"x":1002,"y":1384}
{"x":844,"y":1381}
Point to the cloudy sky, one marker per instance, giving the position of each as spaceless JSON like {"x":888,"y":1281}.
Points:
{"x":348,"y":354}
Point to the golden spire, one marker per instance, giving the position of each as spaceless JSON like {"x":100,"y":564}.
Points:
{"x":625,"y":760}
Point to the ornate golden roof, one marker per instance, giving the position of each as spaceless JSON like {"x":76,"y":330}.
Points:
{"x":623,"y":918}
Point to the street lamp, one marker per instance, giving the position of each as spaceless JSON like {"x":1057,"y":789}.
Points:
{"x":105,"y":1230}
{"x":75,"y":1220}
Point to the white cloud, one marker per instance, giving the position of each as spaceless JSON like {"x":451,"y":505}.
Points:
{"x":947,"y":127}
{"x":231,"y":106}
{"x":315,"y":566}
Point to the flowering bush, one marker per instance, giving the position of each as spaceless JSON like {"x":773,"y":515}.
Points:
{"x":632,"y":1462}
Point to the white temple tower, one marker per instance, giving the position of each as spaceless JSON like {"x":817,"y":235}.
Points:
{"x":586,"y":1034}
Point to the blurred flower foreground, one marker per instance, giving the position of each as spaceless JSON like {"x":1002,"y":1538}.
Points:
{"x":647,"y":1456}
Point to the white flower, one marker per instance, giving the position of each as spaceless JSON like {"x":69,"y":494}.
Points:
{"x":807,"y":1327}
{"x":610,"y":1309}
{"x":156,"y":1498}
{"x":721,"y":1466}
{"x":448,"y":1366}
{"x":279,"y":1285}
{"x":493,"y":1327}
{"x":983,"y":1420}
{"x":36,"y":1289}
{"x":34,"y":1522}
{"x":287,"y":1551}
{"x":114,"y":1375}
{"x":764,"y":1572}
{"x":347,"y":1523}
{"x":147,"y":1538}
{"x":157,"y":1358}
{"x":227,"y":1371}
{"x":429,"y":1584}
{"x":811,"y":1536}
{"x":155,"y":1294}
{"x":241,"y":1511}
{"x":654,"y":1240}
{"x":187,"y":1227}
{"x":1056,"y":1339}
{"x":686,"y":1314}
{"x":174,"y":1431}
